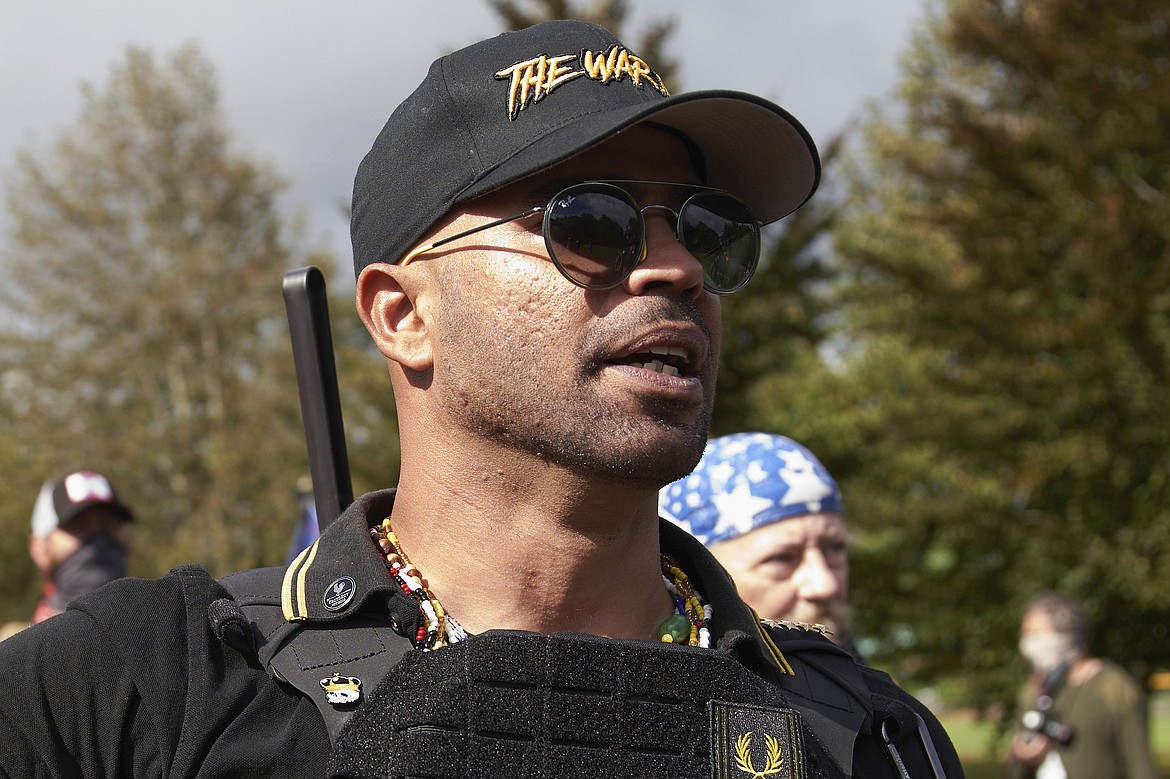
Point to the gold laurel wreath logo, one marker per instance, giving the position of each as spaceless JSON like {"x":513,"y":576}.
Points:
{"x":743,"y":756}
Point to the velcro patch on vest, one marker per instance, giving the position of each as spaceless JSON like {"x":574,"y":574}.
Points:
{"x":754,"y":742}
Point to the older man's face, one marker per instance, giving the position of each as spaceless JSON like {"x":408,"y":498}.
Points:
{"x":528,"y":359}
{"x":795,"y":569}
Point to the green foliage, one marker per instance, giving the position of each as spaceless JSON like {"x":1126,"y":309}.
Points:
{"x":1005,"y":307}
{"x":981,"y":355}
{"x":19,"y":586}
{"x":144,"y":332}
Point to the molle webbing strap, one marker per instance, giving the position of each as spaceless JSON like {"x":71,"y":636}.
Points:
{"x":569,"y":706}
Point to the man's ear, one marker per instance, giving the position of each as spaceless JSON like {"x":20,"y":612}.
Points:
{"x":388,"y":301}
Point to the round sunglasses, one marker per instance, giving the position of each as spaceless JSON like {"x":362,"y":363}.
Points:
{"x":595,"y":233}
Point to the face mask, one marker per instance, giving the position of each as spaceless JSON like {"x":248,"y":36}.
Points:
{"x":100,"y":560}
{"x":1046,"y":651}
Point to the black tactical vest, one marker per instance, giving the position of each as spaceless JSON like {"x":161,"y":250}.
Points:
{"x":527,"y":705}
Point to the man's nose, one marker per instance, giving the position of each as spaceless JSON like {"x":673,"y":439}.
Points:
{"x":815,"y":580}
{"x":667,"y":265}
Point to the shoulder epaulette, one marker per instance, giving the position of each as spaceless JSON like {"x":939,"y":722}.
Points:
{"x":773,"y":650}
{"x":815,"y":627}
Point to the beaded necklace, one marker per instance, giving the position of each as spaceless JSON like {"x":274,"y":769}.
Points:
{"x":689,"y":624}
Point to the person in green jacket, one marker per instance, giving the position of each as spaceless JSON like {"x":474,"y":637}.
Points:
{"x":1082,"y":717}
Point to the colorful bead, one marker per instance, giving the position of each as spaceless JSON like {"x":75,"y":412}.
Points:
{"x":676,"y":627}
{"x":688,"y":604}
{"x":408,"y":578}
{"x":437,"y":628}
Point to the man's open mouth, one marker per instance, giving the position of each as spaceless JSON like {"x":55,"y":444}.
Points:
{"x":668,"y":360}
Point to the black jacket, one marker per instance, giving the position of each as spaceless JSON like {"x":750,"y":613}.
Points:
{"x":161,"y":678}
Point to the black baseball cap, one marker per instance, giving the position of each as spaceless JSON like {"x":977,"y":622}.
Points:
{"x":507,"y":107}
{"x":63,"y":499}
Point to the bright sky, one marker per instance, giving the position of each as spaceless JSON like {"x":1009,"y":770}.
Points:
{"x":307,"y":85}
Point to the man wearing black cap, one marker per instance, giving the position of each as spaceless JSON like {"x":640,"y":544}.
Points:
{"x":541,"y":237}
{"x":80,"y":536}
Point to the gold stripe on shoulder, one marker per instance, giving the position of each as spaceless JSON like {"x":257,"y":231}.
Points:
{"x":293,"y":587}
{"x":777,"y":655}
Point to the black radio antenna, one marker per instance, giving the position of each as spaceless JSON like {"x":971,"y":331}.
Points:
{"x":307,"y":307}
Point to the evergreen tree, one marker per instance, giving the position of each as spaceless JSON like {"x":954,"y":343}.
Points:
{"x":1000,"y":415}
{"x":144,"y":333}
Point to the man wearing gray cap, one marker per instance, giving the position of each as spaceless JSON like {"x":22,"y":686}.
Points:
{"x":541,"y":238}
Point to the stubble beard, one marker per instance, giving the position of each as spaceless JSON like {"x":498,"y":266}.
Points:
{"x":592,"y":441}
{"x":502,"y":397}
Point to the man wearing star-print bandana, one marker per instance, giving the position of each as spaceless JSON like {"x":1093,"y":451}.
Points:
{"x":542,"y":238}
{"x":772,"y":515}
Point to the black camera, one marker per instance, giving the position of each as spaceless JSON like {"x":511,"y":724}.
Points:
{"x":1039,"y":721}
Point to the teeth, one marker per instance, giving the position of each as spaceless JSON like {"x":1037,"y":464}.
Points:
{"x":660,"y":367}
{"x":672,"y":358}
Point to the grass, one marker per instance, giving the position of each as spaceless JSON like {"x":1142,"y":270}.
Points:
{"x":982,"y":753}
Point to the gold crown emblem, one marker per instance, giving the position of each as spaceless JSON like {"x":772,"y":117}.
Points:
{"x":342,"y":689}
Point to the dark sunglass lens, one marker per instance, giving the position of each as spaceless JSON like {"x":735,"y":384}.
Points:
{"x":722,"y":233}
{"x":594,"y":234}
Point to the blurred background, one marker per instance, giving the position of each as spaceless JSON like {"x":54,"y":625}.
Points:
{"x":970,"y":322}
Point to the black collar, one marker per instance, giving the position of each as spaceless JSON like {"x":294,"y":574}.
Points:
{"x":342,"y":572}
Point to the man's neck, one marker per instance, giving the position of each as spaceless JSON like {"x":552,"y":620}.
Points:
{"x":541,"y":552}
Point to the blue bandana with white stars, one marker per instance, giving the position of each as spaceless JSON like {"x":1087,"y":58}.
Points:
{"x":746,"y":480}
